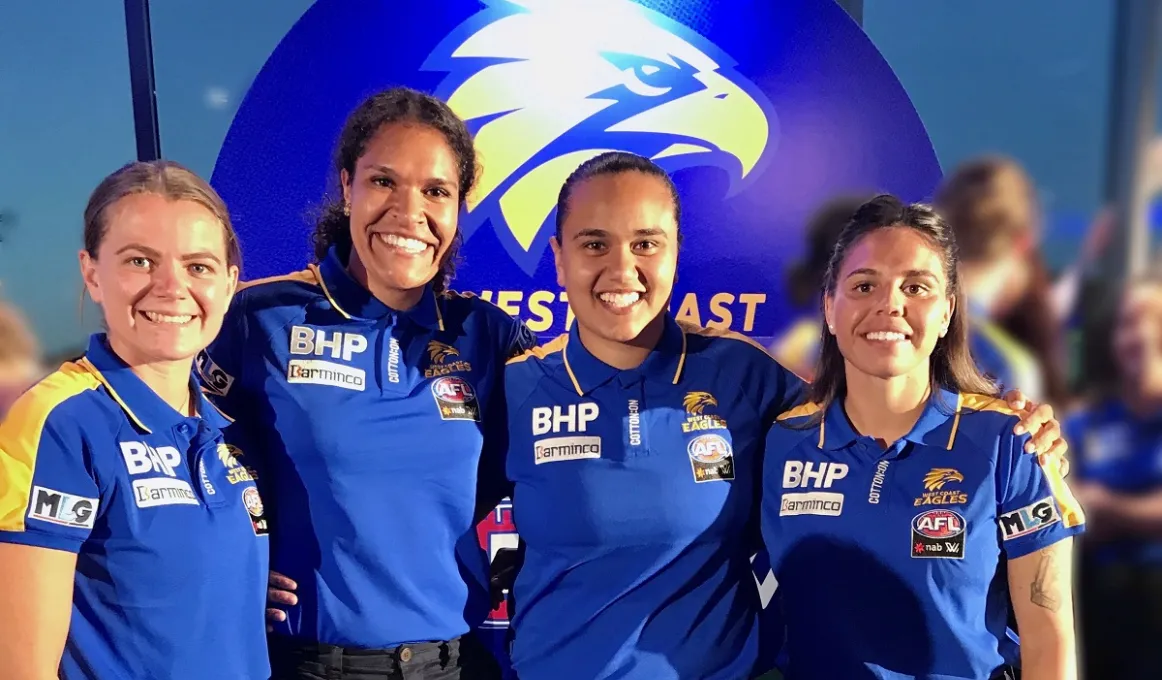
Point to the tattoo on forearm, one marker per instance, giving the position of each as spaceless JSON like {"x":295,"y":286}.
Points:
{"x":1043,"y":592}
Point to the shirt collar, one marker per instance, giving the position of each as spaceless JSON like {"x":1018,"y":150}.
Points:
{"x":142,"y":405}
{"x":352,"y":300}
{"x":664,"y":362}
{"x":836,"y":431}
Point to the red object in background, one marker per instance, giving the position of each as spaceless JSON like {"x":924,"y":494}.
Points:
{"x":497,"y":532}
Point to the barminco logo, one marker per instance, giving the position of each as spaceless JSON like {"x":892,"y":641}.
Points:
{"x":316,"y":372}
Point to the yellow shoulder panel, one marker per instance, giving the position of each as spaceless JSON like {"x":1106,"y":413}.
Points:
{"x":800,"y":411}
{"x":20,"y":435}
{"x":983,"y":402}
{"x":695,"y":329}
{"x":557,"y":344}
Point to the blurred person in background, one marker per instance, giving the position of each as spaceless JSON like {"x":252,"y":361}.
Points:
{"x":1016,"y":325}
{"x":798,"y":347}
{"x":1118,"y":480}
{"x":20,"y":364}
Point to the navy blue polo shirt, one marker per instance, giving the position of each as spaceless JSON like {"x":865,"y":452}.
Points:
{"x":891,"y":562}
{"x":168,"y":529}
{"x":1122,"y":451}
{"x":635,"y":493}
{"x":374,"y":429}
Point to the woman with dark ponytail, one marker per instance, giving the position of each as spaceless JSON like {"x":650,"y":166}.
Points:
{"x":371,"y":387}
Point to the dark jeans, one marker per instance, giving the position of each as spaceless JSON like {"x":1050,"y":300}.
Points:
{"x":464,"y":658}
{"x":1121,"y":621}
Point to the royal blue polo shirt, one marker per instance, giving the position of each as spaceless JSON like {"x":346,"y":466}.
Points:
{"x":1122,"y":451}
{"x":635,"y":493}
{"x":168,"y":528}
{"x":374,"y":427}
{"x":891,"y":562}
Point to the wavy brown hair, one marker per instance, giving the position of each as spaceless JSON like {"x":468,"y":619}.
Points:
{"x":952,"y":366}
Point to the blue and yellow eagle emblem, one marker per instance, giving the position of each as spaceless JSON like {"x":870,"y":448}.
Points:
{"x":547,"y":84}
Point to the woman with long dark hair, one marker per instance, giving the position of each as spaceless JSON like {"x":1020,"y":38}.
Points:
{"x":899,"y":510}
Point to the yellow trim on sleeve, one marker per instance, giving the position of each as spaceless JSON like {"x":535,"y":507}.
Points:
{"x":553,"y":346}
{"x":1071,"y":513}
{"x":20,"y":436}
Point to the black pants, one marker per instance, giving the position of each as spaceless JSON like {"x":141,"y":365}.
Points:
{"x":1121,"y":621}
{"x":464,"y":658}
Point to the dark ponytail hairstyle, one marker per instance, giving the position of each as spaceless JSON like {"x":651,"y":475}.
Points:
{"x":615,"y":163}
{"x":397,"y":105}
{"x":952,"y":366}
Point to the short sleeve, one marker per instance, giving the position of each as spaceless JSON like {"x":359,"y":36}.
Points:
{"x":1036,"y":507}
{"x":219,"y":366}
{"x":781,"y":390}
{"x":48,"y":495}
{"x":520,"y":340}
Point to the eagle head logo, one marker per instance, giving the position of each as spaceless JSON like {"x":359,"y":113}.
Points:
{"x":438,"y":352}
{"x":229,"y":454}
{"x":938,"y":477}
{"x":545,"y":85}
{"x":696,"y":402}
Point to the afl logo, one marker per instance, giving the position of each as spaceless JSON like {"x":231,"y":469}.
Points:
{"x":455,"y":398}
{"x":709,"y":448}
{"x":940,"y":524}
{"x":252,"y":501}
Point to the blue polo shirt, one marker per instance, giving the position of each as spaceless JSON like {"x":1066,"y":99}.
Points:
{"x":891,"y":563}
{"x":168,"y":528}
{"x":1122,"y":451}
{"x":635,"y":496}
{"x":374,"y":427}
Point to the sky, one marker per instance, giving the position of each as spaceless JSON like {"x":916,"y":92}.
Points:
{"x":1034,"y":84}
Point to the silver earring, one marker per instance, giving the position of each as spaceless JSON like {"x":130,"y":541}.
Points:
{"x":347,"y":209}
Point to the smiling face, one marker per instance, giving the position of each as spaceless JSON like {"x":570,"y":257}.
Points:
{"x":1138,"y":332}
{"x":891,"y":303}
{"x":618,"y":254}
{"x":404,"y":200}
{"x":162,"y":277}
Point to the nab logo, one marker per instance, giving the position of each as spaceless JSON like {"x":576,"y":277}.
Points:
{"x":141,"y":459}
{"x":696,"y":402}
{"x":549,"y":85}
{"x":306,"y":340}
{"x":798,"y":475}
{"x":61,"y":508}
{"x":1029,"y":519}
{"x":572,"y":418}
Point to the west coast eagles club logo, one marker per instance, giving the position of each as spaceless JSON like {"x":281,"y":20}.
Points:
{"x":442,"y":360}
{"x":697,"y":420}
{"x":934,"y":491}
{"x":545,"y":85}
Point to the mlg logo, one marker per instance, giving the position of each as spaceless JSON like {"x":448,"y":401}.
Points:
{"x":1028,"y":519}
{"x":61,"y":508}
